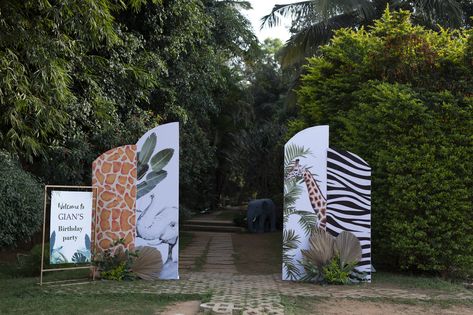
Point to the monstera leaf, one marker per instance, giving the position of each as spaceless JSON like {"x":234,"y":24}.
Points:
{"x":348,"y":248}
{"x":145,"y":154}
{"x":79,"y":258}
{"x":161,"y":159}
{"x":152,"y":179}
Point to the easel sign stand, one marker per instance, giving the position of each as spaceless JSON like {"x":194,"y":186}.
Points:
{"x":71,"y":228}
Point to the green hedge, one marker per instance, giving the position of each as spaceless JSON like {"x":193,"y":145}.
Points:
{"x":21,"y":203}
{"x":401,"y":97}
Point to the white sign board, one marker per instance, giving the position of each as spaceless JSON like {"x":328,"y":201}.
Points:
{"x":70,"y":228}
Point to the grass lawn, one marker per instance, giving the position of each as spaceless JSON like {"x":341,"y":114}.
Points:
{"x":337,"y":306}
{"x":19,"y":295}
{"x":416,"y":282}
{"x":372,"y":305}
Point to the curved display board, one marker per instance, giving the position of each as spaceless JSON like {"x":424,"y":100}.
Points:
{"x":327,"y":209}
{"x":305,"y":191}
{"x":157,"y":198}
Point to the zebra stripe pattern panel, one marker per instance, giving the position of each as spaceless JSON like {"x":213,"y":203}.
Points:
{"x":349,"y":203}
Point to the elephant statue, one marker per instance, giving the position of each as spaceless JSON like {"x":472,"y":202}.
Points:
{"x":261,"y":216}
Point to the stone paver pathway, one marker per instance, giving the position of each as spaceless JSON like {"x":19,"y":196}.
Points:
{"x":213,"y":250}
{"x":220,"y":254}
{"x":234,"y":293}
{"x":249,"y":294}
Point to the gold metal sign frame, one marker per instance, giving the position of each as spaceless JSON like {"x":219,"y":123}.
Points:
{"x":92,"y":245}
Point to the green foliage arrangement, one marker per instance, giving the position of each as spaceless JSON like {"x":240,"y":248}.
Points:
{"x":328,"y":259}
{"x":115,"y":263}
{"x":337,"y":273}
{"x":400,"y":96}
{"x":21,"y":202}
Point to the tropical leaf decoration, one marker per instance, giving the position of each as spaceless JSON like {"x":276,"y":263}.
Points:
{"x":291,"y":241}
{"x":79,"y":258}
{"x":87,"y":242}
{"x":348,"y":247}
{"x":307,"y":220}
{"x":293,"y":152}
{"x":161,"y":159}
{"x":156,"y":162}
{"x":292,"y":192}
{"x":148,"y":264}
{"x":321,"y":248}
{"x":57,"y":257}
{"x":312,"y":273}
{"x":152,"y":180}
{"x":145,"y":154}
{"x":52,"y":241}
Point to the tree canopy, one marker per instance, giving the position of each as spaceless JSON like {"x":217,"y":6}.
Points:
{"x":314,"y":21}
{"x":400,"y":96}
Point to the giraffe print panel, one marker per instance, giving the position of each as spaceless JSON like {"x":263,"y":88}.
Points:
{"x":114,"y":174}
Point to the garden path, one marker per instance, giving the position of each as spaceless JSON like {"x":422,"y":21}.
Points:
{"x":234,"y":293}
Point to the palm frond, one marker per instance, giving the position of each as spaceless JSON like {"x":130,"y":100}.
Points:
{"x":304,"y":44}
{"x":292,"y":192}
{"x":293,"y":152}
{"x":296,"y":10}
{"x":244,"y":5}
{"x":348,"y":248}
{"x":312,"y":273}
{"x":307,"y":220}
{"x":321,"y":248}
{"x":444,"y":12}
{"x":291,"y":241}
{"x":287,"y":213}
{"x":292,"y":272}
{"x":317,"y":10}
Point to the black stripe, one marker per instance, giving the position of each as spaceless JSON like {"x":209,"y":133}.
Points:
{"x":348,"y":220}
{"x":336,"y":179}
{"x":331,"y":156}
{"x":350,"y":156}
{"x":349,"y":204}
{"x":346,"y":171}
{"x":356,"y":197}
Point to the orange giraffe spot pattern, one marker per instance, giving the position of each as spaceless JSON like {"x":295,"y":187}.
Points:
{"x":114,"y":175}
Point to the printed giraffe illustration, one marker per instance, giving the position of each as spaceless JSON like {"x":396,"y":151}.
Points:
{"x":316,"y":198}
{"x":114,"y":174}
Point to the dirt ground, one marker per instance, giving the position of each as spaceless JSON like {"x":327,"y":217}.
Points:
{"x":353,"y":307}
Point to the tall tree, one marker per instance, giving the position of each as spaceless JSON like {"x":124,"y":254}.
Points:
{"x":314,"y":21}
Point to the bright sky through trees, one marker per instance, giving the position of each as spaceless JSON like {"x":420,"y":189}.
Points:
{"x":262,"y":8}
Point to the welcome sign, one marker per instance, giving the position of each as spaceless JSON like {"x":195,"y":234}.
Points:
{"x":71,"y":225}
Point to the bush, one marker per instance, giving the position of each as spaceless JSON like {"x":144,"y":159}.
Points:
{"x":400,"y":96}
{"x":21,"y":203}
{"x":29,"y":265}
